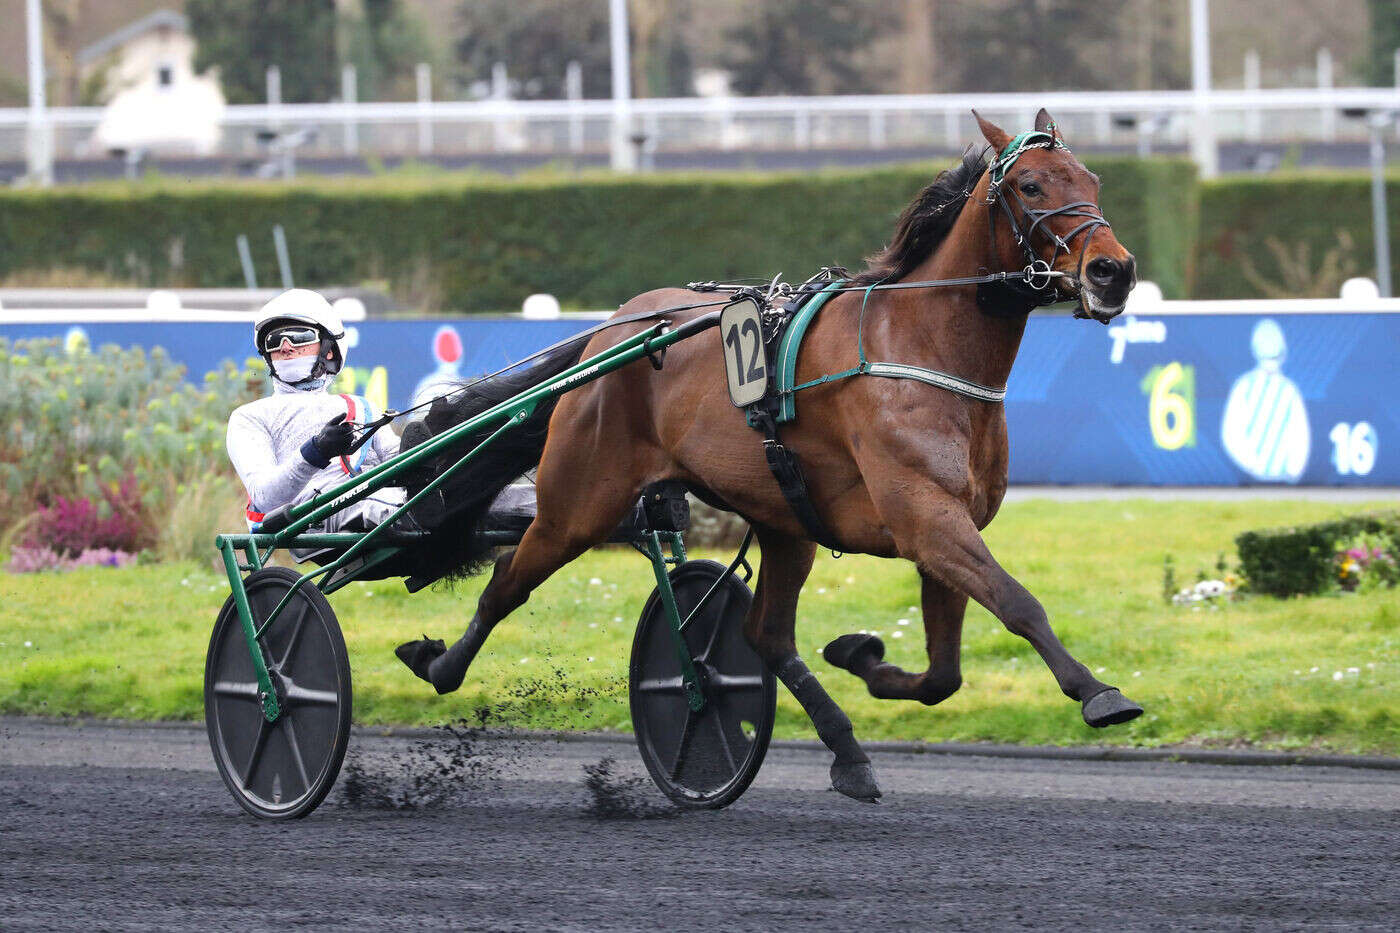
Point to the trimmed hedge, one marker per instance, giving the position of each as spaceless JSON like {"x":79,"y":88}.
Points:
{"x":1301,"y":232}
{"x":1303,"y":560}
{"x":478,"y":244}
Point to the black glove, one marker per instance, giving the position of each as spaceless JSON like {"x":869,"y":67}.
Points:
{"x":334,"y":440}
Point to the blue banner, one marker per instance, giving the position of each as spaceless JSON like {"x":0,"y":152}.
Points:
{"x":1170,"y":400}
{"x":1188,"y":399}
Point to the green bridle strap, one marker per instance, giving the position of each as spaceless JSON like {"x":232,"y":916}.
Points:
{"x":1031,"y":139}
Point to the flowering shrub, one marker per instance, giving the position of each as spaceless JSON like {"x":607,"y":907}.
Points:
{"x":72,"y":526}
{"x":100,"y":442}
{"x":1303,"y":560}
{"x":1367,"y":562}
{"x":33,"y":560}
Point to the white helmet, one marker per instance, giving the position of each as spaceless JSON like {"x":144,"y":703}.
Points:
{"x":306,"y":307}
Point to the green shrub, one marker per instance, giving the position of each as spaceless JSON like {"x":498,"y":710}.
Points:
{"x":467,"y":243}
{"x":1295,"y":235}
{"x":1303,"y":560}
{"x":78,"y":425}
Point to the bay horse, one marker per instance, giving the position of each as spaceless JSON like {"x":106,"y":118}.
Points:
{"x":895,"y":467}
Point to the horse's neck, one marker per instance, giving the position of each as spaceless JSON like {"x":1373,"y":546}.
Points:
{"x":945,"y":326}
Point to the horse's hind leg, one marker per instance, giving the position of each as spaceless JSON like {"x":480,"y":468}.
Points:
{"x":862,"y":655}
{"x":769,"y":629}
{"x":556,"y":536}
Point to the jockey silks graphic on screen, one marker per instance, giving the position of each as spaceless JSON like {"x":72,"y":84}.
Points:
{"x":447,"y":351}
{"x":1265,"y":427}
{"x":1340,"y":365}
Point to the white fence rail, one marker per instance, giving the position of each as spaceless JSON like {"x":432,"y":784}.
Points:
{"x":566,"y":127}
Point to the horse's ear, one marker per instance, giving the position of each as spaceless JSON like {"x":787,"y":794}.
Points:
{"x":994,"y":134}
{"x":1044,"y":123}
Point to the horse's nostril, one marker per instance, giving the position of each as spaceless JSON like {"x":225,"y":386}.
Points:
{"x":1103,"y":271}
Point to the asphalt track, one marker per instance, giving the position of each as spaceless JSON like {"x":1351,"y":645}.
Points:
{"x":115,"y":828}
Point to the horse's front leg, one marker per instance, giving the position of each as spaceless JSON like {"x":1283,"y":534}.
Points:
{"x":863,"y":655}
{"x":943,"y":540}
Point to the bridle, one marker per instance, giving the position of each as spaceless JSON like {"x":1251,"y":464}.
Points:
{"x":1030,"y":286}
{"x":1036,"y":289}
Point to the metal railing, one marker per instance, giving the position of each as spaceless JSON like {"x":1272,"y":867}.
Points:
{"x":571,"y":127}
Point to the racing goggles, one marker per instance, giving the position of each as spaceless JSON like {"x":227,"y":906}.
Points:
{"x":298,"y":335}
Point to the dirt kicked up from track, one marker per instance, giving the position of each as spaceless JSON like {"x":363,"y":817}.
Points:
{"x":458,"y":763}
{"x":130,"y":828}
{"x":455,"y":763}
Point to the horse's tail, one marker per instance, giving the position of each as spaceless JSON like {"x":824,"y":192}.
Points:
{"x":456,"y":510}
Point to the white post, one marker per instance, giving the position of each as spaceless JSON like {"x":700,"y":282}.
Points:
{"x":1253,"y":118}
{"x":245,"y":258}
{"x":424,"y":75}
{"x":274,"y":96}
{"x":1324,"y":83}
{"x":950,"y":128}
{"x":1103,"y":125}
{"x":1203,"y":133}
{"x":1377,"y":123}
{"x":500,"y":91}
{"x":573,"y":90}
{"x":40,"y":143}
{"x":647,"y":150}
{"x":728,"y":133}
{"x":802,"y":127}
{"x":350,"y":96}
{"x":284,"y":258}
{"x":623,"y":158}
{"x":877,"y":128}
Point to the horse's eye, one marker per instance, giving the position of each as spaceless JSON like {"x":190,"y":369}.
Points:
{"x":1030,"y":189}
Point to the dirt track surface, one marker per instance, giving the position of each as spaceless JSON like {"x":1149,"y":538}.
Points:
{"x":130,"y":828}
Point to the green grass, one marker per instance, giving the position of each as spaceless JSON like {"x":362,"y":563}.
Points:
{"x":130,"y":643}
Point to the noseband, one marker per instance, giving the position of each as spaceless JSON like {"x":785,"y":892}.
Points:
{"x":1022,"y":297}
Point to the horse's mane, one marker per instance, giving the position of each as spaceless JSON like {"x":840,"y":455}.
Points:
{"x":926,"y":221}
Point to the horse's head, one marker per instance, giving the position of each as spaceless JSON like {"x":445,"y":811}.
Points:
{"x":1045,"y":207}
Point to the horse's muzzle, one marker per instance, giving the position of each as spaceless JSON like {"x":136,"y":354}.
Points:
{"x":1106,"y":284}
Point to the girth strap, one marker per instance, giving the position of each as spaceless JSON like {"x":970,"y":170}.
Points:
{"x":787,"y":470}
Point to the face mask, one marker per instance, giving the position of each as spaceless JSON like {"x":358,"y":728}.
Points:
{"x":294,"y":370}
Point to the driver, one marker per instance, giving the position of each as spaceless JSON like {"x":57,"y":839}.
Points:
{"x":296,"y":442}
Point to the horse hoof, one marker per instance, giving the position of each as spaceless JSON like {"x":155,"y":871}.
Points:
{"x":855,"y":779}
{"x":852,"y":652}
{"x":420,"y":656}
{"x":1109,"y":708}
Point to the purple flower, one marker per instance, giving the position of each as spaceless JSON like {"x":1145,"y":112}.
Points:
{"x":36,"y":560}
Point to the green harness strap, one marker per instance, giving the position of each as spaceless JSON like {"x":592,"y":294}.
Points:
{"x":790,"y":345}
{"x":785,"y":372}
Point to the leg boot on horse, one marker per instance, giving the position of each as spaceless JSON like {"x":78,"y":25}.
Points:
{"x":770,"y":631}
{"x":897,"y":466}
{"x":863,"y":655}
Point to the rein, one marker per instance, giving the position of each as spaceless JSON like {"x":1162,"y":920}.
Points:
{"x":1031,"y":284}
{"x":368,"y":429}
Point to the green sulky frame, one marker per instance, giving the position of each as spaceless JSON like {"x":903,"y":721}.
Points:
{"x":380,"y":543}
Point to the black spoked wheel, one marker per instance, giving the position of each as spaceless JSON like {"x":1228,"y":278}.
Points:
{"x":279,"y":770}
{"x":703,"y":760}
